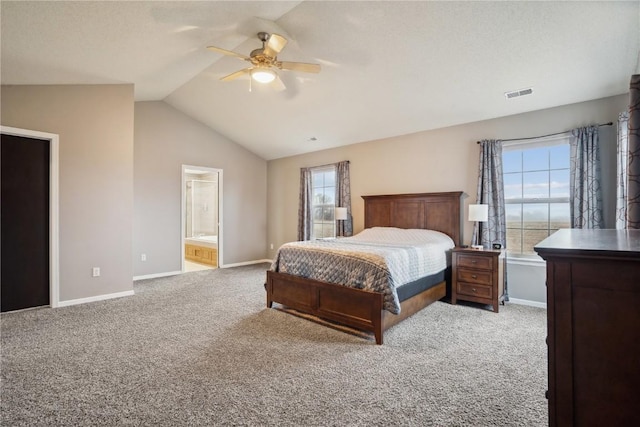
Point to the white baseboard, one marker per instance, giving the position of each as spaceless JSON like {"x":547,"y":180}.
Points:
{"x":527,"y":302}
{"x":96,"y":298}
{"x":240,"y":264}
{"x":156,"y":275}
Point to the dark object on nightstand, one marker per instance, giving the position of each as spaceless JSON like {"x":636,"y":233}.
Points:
{"x":593,"y":321}
{"x":478,"y":276}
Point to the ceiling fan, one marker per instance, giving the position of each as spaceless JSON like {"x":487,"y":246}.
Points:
{"x":264,"y":61}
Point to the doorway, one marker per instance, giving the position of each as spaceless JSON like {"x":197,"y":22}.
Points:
{"x":201,"y":218}
{"x":29,"y":219}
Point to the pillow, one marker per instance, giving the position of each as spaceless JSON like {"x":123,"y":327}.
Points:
{"x":402,"y":235}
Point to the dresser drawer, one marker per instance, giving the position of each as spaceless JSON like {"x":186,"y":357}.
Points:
{"x":480,"y":291}
{"x":474,"y":261}
{"x":474,"y":276}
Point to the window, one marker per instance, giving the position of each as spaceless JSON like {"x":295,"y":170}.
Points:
{"x":323,"y":182}
{"x":536,"y":191}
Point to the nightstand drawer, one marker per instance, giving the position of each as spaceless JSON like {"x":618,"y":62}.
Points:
{"x":474,"y":276}
{"x":474,"y":261}
{"x":480,"y":291}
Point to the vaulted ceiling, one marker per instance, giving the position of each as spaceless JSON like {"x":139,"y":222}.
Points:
{"x":388,"y":67}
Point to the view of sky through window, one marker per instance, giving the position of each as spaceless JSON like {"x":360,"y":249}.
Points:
{"x":536,"y":188}
{"x":324,"y":193}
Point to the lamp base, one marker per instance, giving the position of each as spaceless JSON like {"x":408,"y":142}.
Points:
{"x":477,"y":247}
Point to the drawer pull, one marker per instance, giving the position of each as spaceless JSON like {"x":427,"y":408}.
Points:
{"x":474,"y":276}
{"x":473,"y":261}
{"x":473,"y":289}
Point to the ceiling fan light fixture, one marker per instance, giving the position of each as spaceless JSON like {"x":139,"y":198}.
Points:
{"x":263,"y":75}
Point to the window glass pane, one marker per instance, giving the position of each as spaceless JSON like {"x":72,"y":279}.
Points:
{"x":317,"y":179}
{"x":512,"y":186}
{"x":536,"y":185}
{"x":559,"y":156}
{"x":514,"y":215}
{"x":535,"y":159}
{"x":329,"y":194}
{"x":559,"y":216}
{"x":327,"y":213}
{"x":318,"y":196}
{"x":317,"y":213}
{"x":317,"y":230}
{"x":330,"y":179}
{"x":514,"y":240}
{"x":535,"y":215}
{"x":511,"y":161}
{"x":559,"y":183}
{"x":532,"y":238}
{"x":329,"y":230}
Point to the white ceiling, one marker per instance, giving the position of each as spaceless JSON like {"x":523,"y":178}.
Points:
{"x":388,"y":67}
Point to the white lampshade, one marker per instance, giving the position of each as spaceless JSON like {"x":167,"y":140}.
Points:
{"x":341,"y":214}
{"x":479,"y":213}
{"x":263,"y":75}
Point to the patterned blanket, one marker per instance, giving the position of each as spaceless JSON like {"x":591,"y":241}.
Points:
{"x":379,"y":259}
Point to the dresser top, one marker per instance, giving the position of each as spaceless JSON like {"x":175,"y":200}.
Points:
{"x":623,"y":243}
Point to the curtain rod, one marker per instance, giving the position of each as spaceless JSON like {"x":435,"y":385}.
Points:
{"x":328,"y":164}
{"x":544,"y":136}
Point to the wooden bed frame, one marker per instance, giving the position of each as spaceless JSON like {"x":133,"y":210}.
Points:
{"x":363,"y":309}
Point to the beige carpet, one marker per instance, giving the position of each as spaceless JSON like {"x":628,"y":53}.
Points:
{"x":202,"y":349}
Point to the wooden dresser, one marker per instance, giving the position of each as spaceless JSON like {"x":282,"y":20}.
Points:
{"x":593,"y":321}
{"x":478,"y":276}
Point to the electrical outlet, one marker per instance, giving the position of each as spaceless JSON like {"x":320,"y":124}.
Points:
{"x":272,"y":246}
{"x":95,"y":272}
{"x":143,"y":257}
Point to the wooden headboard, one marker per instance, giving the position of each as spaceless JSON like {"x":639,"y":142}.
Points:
{"x":433,"y":211}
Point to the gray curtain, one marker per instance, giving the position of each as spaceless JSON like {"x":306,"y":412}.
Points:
{"x":585,"y":202}
{"x":343,"y":198}
{"x":491,"y":192}
{"x":304,"y":206}
{"x":633,"y":195}
{"x":622,"y":160}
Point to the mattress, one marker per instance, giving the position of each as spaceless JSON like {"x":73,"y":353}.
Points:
{"x":379,"y":259}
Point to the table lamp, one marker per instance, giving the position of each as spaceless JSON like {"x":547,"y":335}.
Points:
{"x":478,"y":213}
{"x":340,"y":214}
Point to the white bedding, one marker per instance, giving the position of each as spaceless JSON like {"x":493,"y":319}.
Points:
{"x":433,"y":244}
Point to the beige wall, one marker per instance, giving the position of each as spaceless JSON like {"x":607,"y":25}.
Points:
{"x":438,"y":160}
{"x":165,"y":139}
{"x":95,"y":127}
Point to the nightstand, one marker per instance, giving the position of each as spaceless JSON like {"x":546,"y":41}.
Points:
{"x":478,"y":276}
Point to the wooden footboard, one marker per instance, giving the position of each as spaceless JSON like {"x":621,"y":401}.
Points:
{"x":348,"y":306}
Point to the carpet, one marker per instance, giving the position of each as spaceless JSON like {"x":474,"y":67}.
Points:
{"x":201,"y":348}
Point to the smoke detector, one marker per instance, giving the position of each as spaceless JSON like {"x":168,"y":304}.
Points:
{"x":519,"y":92}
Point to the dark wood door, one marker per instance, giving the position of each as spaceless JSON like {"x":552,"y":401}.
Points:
{"x":24,"y":175}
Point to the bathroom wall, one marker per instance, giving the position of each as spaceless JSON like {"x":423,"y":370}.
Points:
{"x":201,"y":209}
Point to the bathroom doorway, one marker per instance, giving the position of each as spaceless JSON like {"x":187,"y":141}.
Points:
{"x":201,"y":218}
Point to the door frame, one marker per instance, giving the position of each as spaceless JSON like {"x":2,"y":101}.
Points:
{"x":183,"y":221}
{"x":54,"y":245}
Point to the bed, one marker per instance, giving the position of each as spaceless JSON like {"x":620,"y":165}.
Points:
{"x":362,"y":309}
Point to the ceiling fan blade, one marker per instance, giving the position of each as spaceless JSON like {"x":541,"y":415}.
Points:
{"x":235,"y":75}
{"x":299,"y":66}
{"x":274,"y":45}
{"x":228,"y":52}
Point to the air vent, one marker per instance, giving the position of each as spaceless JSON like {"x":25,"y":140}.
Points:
{"x":517,"y":93}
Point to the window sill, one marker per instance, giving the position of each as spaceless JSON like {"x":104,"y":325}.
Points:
{"x":534,"y":262}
